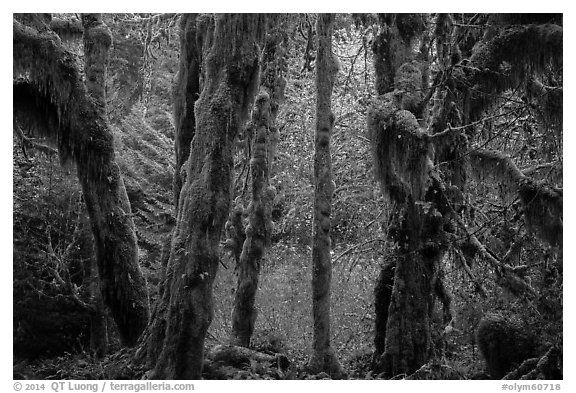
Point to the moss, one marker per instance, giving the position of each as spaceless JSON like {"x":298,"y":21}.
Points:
{"x":526,"y":19}
{"x":504,"y":343}
{"x":527,"y":50}
{"x":74,"y":115}
{"x":402,"y":152}
{"x":543,"y":209}
{"x":542,"y":204}
{"x":193,"y":33}
{"x":230,"y":63}
{"x":258,"y":230}
{"x":382,"y":296}
{"x":393,"y":46}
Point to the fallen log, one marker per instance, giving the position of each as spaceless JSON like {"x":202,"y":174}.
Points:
{"x":238,"y":357}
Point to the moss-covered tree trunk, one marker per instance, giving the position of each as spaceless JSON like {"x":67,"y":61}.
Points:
{"x":50,"y":94}
{"x":258,"y":229}
{"x":274,"y":69}
{"x":404,"y":158}
{"x":112,"y":240}
{"x":382,"y":296}
{"x":394,"y":47}
{"x":98,"y":318}
{"x":408,"y":328}
{"x":186,"y":92}
{"x":195,"y":35}
{"x":323,"y":357}
{"x":254,"y":239}
{"x":231,"y":80}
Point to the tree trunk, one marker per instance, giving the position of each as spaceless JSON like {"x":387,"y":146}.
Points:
{"x":49,"y":93}
{"x":382,"y":296}
{"x":185,"y":309}
{"x":394,"y":46}
{"x":186,"y":92}
{"x":195,"y":35}
{"x":273,"y":80}
{"x":403,"y":160}
{"x":98,"y":318}
{"x":408,"y":334}
{"x":404,"y":157}
{"x":253,"y":240}
{"x":258,"y":230}
{"x":323,"y":358}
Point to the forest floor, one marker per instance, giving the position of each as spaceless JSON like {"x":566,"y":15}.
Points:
{"x":284,"y":325}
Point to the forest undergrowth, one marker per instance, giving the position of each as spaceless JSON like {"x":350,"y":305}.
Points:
{"x":53,"y":253}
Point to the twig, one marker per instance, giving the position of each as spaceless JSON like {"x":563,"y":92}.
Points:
{"x":464,"y":264}
{"x":531,"y":170}
{"x":349,"y":250}
{"x":29,"y":142}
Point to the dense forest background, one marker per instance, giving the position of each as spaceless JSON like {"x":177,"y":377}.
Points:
{"x":473,"y":202}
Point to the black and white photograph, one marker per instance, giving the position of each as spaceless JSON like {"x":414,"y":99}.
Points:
{"x":287,"y":196}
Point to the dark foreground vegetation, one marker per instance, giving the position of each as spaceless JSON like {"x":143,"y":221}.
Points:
{"x":287,"y":196}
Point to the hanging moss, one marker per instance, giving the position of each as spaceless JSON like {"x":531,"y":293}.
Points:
{"x":543,"y":209}
{"x":394,"y":46}
{"x":408,"y":88}
{"x":527,"y":19}
{"x":402,"y":152}
{"x":549,"y":101}
{"x":508,"y":60}
{"x":443,"y":36}
{"x":542,"y":203}
{"x":67,"y":28}
{"x":50,"y":88}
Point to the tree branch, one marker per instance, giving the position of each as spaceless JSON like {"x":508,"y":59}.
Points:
{"x":29,"y":142}
{"x":543,"y":204}
{"x":67,"y":29}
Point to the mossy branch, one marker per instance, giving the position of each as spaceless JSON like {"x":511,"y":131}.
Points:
{"x":49,"y":92}
{"x":30,"y":142}
{"x":479,"y":287}
{"x":542,"y":203}
{"x":508,"y":60}
{"x":67,"y":28}
{"x":507,"y":277}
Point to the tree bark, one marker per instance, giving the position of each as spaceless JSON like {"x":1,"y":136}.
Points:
{"x":231,"y":80}
{"x":323,"y":358}
{"x":98,"y":318}
{"x":408,"y":334}
{"x":194,"y":30}
{"x":394,"y":46}
{"x":382,"y":296}
{"x":404,"y":155}
{"x":49,"y":93}
{"x":273,"y":80}
{"x":258,"y":230}
{"x":186,"y":92}
{"x":249,"y":244}
{"x":400,"y":166}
